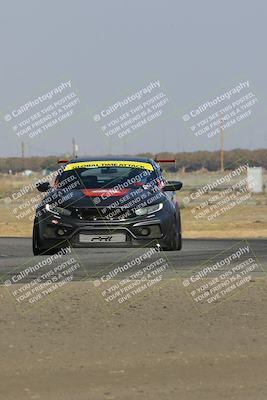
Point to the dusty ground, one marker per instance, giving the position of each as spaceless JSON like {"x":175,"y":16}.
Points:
{"x":161,"y":347}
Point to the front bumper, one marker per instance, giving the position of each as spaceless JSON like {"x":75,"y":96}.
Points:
{"x":158,"y":225}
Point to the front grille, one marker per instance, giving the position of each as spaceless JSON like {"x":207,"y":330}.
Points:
{"x":102,"y":213}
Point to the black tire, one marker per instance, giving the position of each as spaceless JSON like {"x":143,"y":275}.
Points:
{"x":180,"y":242}
{"x":179,"y":233}
{"x":175,"y":243}
{"x":36,"y":247}
{"x":49,"y":252}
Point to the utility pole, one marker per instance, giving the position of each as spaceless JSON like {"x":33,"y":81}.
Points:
{"x":222,"y":145}
{"x":22,"y":150}
{"x":23,"y":154}
{"x":74,"y":148}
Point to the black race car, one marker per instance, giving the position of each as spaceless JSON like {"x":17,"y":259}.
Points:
{"x":108,"y":202}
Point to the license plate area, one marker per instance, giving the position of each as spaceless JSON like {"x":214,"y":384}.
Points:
{"x":102,"y":238}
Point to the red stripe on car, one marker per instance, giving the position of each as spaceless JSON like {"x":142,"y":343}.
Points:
{"x":104,"y":192}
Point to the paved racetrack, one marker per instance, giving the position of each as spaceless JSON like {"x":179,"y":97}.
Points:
{"x":16,"y":252}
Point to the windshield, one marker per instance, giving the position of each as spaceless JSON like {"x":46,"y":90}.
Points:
{"x":106,"y":177}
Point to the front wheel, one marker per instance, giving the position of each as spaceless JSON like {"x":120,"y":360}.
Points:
{"x":175,"y":242}
{"x":179,"y":242}
{"x":37,"y":249}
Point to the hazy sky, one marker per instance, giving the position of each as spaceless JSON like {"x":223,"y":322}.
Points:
{"x":111,"y":49}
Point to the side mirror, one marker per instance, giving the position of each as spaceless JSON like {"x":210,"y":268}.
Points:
{"x":172,"y":186}
{"x":43,"y":187}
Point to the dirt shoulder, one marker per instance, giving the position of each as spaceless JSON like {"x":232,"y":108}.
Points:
{"x":160,"y":347}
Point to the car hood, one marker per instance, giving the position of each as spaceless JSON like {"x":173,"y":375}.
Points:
{"x":86,"y":198}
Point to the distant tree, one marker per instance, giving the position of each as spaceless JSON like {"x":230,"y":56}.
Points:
{"x":188,"y":161}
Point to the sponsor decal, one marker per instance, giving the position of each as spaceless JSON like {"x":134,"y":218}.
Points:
{"x":109,"y":163}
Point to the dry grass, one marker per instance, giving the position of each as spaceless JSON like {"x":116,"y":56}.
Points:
{"x":10,"y":224}
{"x":247,"y":220}
{"x":241,"y":222}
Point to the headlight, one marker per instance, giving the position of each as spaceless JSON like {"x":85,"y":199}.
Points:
{"x":149,"y":209}
{"x":57,"y":210}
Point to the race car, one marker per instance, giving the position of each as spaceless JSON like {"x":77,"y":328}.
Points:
{"x":108,"y":202}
